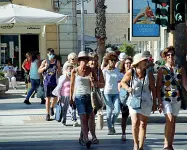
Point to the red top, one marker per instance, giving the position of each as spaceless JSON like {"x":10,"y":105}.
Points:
{"x":27,"y":65}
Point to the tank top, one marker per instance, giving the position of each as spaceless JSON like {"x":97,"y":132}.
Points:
{"x":82,"y":85}
{"x":34,"y":70}
{"x":27,"y":65}
{"x":169,"y":91}
{"x":50,"y":75}
{"x":65,"y":90}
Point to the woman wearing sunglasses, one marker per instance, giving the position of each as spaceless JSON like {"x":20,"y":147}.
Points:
{"x":142,"y":97}
{"x":169,"y":81}
{"x":112,"y":77}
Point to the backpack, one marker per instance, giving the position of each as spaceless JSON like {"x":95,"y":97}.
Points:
{"x":50,"y":75}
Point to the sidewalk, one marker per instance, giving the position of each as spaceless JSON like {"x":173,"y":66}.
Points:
{"x":14,"y":112}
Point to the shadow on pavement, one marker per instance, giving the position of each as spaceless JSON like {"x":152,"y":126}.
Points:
{"x":105,"y":144}
{"x":19,"y":106}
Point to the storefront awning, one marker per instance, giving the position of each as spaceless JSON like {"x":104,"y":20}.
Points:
{"x":12,"y":13}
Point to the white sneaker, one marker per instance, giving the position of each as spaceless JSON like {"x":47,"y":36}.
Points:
{"x":63,"y":124}
{"x":75,"y":124}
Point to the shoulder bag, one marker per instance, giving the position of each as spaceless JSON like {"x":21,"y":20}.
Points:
{"x":96,"y":98}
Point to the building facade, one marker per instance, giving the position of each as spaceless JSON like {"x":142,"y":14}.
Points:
{"x":16,"y":40}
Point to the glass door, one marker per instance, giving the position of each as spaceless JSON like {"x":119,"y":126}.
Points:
{"x":9,"y":49}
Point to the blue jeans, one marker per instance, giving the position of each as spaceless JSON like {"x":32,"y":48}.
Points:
{"x":34,"y":85}
{"x":112,"y":104}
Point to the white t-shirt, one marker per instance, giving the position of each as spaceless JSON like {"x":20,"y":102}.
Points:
{"x":112,"y":78}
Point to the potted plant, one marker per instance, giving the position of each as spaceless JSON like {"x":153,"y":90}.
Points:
{"x":4,"y":81}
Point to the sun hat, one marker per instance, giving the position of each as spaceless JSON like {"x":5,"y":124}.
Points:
{"x":138,"y":58}
{"x":146,"y":54}
{"x":83,"y":54}
{"x":122,"y":56}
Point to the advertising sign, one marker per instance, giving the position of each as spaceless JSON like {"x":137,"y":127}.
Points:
{"x":143,"y":21}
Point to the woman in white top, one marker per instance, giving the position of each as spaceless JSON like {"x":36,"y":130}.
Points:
{"x":112,"y":77}
{"x":141,"y":86}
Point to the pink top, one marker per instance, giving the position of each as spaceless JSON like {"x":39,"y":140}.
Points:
{"x":65,"y":90}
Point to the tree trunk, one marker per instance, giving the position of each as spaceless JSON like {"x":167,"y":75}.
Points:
{"x":180,"y":45}
{"x":100,"y":30}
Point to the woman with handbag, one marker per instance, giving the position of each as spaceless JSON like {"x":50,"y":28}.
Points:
{"x":123,"y":68}
{"x":34,"y":77}
{"x":80,"y":90}
{"x":112,"y":77}
{"x":169,"y":81}
{"x":140,"y":100}
{"x":62,"y":91}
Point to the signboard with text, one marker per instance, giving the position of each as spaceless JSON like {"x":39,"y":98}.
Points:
{"x":143,"y":27}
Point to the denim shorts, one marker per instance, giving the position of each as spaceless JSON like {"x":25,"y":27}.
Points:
{"x":83,"y":103}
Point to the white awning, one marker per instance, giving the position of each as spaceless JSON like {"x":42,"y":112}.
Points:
{"x":12,"y":13}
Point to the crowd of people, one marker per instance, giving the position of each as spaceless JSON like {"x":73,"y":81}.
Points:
{"x":127,"y":85}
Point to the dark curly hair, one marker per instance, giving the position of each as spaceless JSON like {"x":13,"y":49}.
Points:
{"x":111,"y":55}
{"x":122,"y":64}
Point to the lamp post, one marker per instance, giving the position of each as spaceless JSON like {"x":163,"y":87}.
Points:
{"x":82,"y":25}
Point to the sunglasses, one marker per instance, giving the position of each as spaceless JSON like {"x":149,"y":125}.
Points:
{"x":73,"y":59}
{"x":170,"y":54}
{"x":128,"y":63}
{"x":113,"y":60}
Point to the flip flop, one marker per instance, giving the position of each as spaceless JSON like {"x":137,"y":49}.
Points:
{"x":82,"y":142}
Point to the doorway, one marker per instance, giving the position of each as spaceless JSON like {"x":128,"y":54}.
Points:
{"x":29,"y":43}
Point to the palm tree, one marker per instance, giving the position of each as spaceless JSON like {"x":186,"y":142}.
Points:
{"x":100,"y":30}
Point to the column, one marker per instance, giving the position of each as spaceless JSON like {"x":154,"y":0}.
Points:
{"x":68,"y":31}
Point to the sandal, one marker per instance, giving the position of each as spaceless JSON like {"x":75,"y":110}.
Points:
{"x":88,"y":144}
{"x":82,"y":142}
{"x":123,"y":137}
{"x":95,"y":141}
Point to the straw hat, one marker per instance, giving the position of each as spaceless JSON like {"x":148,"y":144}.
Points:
{"x":122,"y":56}
{"x":138,"y":58}
{"x":83,"y":54}
{"x":72,"y":55}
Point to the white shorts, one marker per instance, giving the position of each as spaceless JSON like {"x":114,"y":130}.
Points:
{"x":173,"y":108}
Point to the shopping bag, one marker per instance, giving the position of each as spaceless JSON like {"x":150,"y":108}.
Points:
{"x":99,"y":122}
{"x":40,"y":92}
{"x":59,"y":112}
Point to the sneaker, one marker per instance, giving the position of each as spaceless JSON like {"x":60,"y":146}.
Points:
{"x":111,"y":132}
{"x":47,"y":117}
{"x":52,"y":112}
{"x":27,"y":102}
{"x":113,"y":129}
{"x":75,"y":124}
